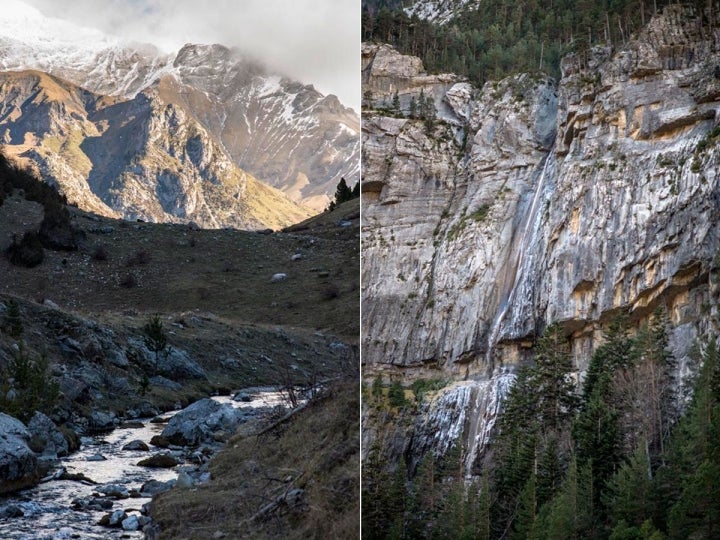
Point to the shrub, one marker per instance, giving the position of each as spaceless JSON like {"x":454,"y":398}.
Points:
{"x":28,"y":252}
{"x":155,"y":338}
{"x":396,"y":395}
{"x":56,"y":231}
{"x":421,"y":386}
{"x":138,"y":258}
{"x":129,"y":281}
{"x":32,"y":390}
{"x":100,"y":253}
{"x":696,"y":165}
{"x":330,"y":292}
{"x":377,"y":386}
{"x":12,"y":323}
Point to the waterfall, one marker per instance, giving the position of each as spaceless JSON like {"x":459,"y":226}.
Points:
{"x":486,"y":401}
{"x":464,"y":412}
{"x":525,"y":237}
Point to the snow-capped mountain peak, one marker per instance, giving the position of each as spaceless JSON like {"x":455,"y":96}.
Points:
{"x":283,"y":132}
{"x":21,"y":22}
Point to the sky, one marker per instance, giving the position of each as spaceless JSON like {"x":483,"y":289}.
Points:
{"x":314,"y":41}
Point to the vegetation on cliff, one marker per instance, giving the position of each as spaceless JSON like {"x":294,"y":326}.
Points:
{"x":500,"y":38}
{"x":614,"y":461}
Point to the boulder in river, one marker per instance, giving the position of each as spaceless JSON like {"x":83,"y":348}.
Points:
{"x":199,"y":422}
{"x":115,"y":491}
{"x":136,"y":445}
{"x":113,"y":520}
{"x":18,"y":463}
{"x":45,"y":438}
{"x":11,"y":511}
{"x":163,"y":460}
{"x":100,"y":421}
{"x":130,"y":523}
{"x":159,"y":441}
{"x":153,"y":487}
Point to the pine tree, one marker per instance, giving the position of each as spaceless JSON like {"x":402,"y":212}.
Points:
{"x":376,"y":516}
{"x":422,"y":500}
{"x":514,"y":450}
{"x":155,"y":338}
{"x":413,"y":107}
{"x":12,"y":322}
{"x":527,"y":508}
{"x":549,"y":471}
{"x":396,"y":395}
{"x":429,"y":113}
{"x":396,"y":502}
{"x":570,"y":513}
{"x":377,"y":386}
{"x":695,"y":457}
{"x":597,"y":433}
{"x":396,"y":103}
{"x":343,"y":193}
{"x":630,"y":492}
{"x":552,"y":380}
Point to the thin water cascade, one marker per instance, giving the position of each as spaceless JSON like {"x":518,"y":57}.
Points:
{"x":524,"y":238}
{"x":487,"y":398}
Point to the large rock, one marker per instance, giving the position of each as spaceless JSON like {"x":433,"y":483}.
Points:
{"x":198,"y":422}
{"x":159,"y":461}
{"x":172,"y":363}
{"x":18,"y":464}
{"x":45,"y":438}
{"x":100,"y":421}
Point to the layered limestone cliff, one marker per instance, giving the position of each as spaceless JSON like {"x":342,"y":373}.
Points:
{"x":530,"y":202}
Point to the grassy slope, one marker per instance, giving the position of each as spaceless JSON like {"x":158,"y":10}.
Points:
{"x":225,"y":272}
{"x":317,"y":450}
{"x":213,"y":289}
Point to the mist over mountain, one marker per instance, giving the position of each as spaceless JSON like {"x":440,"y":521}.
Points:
{"x":105,"y":140}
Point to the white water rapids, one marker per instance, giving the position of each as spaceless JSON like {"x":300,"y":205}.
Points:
{"x":47,"y":507}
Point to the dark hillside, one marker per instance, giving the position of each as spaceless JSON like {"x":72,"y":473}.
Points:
{"x":502,"y":38}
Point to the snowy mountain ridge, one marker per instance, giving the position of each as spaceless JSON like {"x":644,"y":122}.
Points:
{"x":283,"y":132}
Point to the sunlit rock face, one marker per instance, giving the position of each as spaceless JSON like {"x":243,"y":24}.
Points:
{"x":531,"y":201}
{"x":241,"y":117}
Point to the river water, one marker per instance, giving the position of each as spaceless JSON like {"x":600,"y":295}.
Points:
{"x":47,"y":507}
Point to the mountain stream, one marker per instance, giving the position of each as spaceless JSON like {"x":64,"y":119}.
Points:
{"x":47,"y":508}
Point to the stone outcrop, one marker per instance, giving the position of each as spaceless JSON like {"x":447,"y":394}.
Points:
{"x":45,"y":438}
{"x":172,"y":363}
{"x":200,"y":421}
{"x":18,"y":463}
{"x":531,"y":201}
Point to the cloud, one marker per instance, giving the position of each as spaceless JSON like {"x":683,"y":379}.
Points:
{"x":315,"y":41}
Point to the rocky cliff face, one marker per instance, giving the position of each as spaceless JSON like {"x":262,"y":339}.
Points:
{"x":145,"y":158}
{"x":531,"y":202}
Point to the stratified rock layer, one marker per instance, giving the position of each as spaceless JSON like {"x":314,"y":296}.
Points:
{"x":529,"y":202}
